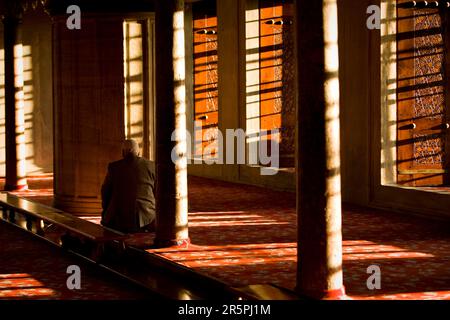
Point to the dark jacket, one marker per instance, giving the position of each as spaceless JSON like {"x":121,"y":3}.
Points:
{"x":128,"y":199}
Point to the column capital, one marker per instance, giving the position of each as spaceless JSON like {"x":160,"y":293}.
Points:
{"x":12,"y":11}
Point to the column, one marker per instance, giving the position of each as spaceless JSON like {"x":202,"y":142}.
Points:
{"x":14,"y":104}
{"x":318,"y":154}
{"x":171,"y":192}
{"x":88,"y":104}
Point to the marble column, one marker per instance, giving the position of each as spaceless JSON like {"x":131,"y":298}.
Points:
{"x":171,"y":157}
{"x":318,"y":153}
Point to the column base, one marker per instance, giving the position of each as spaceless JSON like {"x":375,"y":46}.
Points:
{"x":178,"y":243}
{"x":336,"y":294}
{"x":19,"y":187}
{"x":78,"y":206}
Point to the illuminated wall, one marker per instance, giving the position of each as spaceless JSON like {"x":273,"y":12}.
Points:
{"x":138,"y":84}
{"x":36,"y":38}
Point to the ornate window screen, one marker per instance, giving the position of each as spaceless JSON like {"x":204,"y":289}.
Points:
{"x":422,"y":92}
{"x":277,"y":67}
{"x":206,"y":78}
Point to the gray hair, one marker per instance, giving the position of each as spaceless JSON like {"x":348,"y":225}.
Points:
{"x":130,"y":146}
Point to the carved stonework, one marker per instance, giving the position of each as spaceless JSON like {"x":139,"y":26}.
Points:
{"x":428,"y":67}
{"x":277,"y":67}
{"x":212,"y":77}
{"x":288,"y":128}
{"x":428,"y":150}
{"x":206,"y":80}
{"x":421,"y":96}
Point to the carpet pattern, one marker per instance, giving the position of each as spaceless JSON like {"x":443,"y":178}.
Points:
{"x":247,"y":235}
{"x":33,"y":269}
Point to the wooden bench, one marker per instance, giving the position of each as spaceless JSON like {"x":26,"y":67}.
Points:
{"x":80,"y":235}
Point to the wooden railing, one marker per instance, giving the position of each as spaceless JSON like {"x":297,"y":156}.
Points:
{"x":73,"y":233}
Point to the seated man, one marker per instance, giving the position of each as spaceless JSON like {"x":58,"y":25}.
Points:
{"x":128,"y":192}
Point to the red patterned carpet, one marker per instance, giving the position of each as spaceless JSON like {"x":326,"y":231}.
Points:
{"x":247,"y":235}
{"x":33,"y":269}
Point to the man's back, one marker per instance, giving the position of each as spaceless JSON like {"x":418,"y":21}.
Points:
{"x":128,"y":194}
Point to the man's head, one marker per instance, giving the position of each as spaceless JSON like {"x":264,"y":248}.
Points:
{"x":130,"y":147}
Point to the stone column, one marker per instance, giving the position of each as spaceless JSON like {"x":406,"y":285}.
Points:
{"x":14,"y":104}
{"x":318,"y":153}
{"x":171,"y":192}
{"x":88,"y":102}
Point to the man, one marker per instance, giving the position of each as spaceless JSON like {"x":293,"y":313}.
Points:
{"x":128,"y":192}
